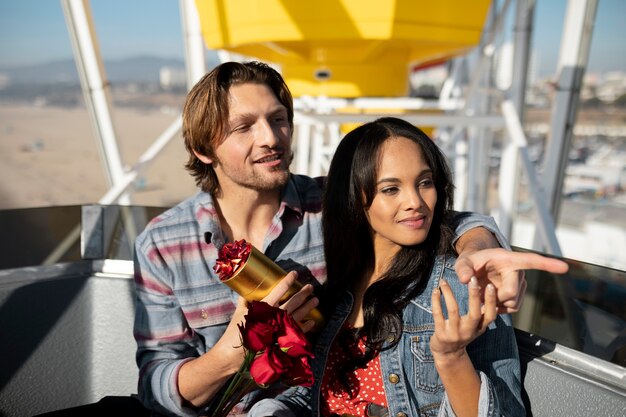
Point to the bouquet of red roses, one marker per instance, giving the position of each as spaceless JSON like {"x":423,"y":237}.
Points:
{"x":276,"y":350}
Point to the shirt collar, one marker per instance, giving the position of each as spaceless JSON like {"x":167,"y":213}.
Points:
{"x":208,"y":219}
{"x":290,"y":198}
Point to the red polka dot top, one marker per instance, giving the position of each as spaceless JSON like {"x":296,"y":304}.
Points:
{"x":365,"y":384}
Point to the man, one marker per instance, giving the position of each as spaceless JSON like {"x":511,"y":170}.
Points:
{"x":237,"y":127}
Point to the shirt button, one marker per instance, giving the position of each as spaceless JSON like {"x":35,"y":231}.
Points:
{"x":401,"y":414}
{"x":394,"y":379}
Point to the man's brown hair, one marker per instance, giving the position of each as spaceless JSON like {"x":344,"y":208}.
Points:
{"x":206,"y":112}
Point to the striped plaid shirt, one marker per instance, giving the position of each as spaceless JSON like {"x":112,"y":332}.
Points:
{"x":183,"y":308}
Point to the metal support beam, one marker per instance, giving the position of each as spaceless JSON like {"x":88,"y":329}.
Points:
{"x":302,"y":148}
{"x":545,"y":226}
{"x":195,"y":57}
{"x":573,"y":58}
{"x":480,"y":139}
{"x":454,"y":138}
{"x":509,"y":163}
{"x":487,"y":47}
{"x":438,"y":120}
{"x":94,"y":84}
{"x":318,"y":145}
{"x":461,"y":174}
{"x":571,"y":68}
{"x":144,"y":161}
{"x":522,"y":34}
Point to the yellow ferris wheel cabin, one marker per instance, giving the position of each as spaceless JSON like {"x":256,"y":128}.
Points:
{"x":344,"y":48}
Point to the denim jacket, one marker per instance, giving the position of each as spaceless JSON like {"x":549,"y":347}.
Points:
{"x":412,"y":384}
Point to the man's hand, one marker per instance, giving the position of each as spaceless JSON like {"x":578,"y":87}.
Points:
{"x":505,"y":270}
{"x":201,"y":378}
{"x":299,"y":305}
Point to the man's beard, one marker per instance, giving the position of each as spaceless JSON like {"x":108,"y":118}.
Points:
{"x":274,"y":179}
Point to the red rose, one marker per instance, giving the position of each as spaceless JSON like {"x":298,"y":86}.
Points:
{"x":276,"y":349}
{"x":282,"y":350}
{"x":299,"y":373}
{"x":291,"y":339}
{"x":262,"y":324}
{"x":269,"y":366}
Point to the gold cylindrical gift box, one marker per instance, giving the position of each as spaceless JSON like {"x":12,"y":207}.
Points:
{"x":256,"y":278}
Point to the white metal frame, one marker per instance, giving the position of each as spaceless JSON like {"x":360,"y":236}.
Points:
{"x":509,"y":175}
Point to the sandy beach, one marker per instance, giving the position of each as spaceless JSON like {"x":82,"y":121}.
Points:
{"x":50,"y":156}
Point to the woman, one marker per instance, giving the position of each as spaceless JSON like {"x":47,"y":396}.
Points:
{"x":405,"y":337}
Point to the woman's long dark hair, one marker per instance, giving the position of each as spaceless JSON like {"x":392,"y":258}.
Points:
{"x":348,"y":247}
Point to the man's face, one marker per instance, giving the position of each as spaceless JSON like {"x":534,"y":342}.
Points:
{"x":257,"y":150}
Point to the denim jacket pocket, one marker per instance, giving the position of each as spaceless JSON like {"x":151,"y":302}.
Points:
{"x":425,"y":376}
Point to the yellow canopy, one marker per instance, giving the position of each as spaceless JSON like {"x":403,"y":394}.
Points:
{"x":344,"y":48}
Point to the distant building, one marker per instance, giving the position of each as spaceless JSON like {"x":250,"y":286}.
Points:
{"x":539,"y":93}
{"x":603,"y":174}
{"x":171,"y":78}
{"x":4,"y":80}
{"x":589,"y":87}
{"x":612,"y":86}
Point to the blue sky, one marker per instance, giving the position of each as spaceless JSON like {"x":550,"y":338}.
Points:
{"x":34,"y":31}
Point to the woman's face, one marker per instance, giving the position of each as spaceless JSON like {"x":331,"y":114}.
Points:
{"x":403,"y":207}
